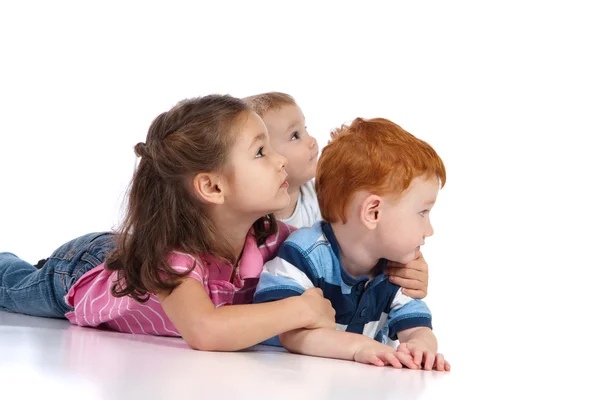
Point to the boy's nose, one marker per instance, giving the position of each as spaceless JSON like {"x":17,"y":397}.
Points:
{"x":429,"y":230}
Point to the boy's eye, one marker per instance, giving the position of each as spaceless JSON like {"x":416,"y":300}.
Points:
{"x":295,"y":136}
{"x":422,"y":213}
{"x":260,"y":153}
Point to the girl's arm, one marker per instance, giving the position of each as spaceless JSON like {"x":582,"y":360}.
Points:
{"x":236,"y":327}
{"x":344,"y":346}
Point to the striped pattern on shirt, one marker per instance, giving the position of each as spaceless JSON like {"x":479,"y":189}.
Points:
{"x":95,"y":306}
{"x":310,"y":257}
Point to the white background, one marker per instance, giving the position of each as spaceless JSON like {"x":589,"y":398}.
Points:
{"x":508,"y":94}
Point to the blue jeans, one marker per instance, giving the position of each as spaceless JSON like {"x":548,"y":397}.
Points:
{"x":41,"y":292}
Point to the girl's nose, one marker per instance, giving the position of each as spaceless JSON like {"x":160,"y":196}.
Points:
{"x":283,"y":161}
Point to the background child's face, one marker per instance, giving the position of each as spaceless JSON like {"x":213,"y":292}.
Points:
{"x":405,"y":222}
{"x":255,"y":174}
{"x":287,"y":131}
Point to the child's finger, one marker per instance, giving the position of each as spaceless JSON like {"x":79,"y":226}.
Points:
{"x":407,"y":360}
{"x":446,"y":366}
{"x":403,"y":348}
{"x":373,"y":359}
{"x":429,"y":361}
{"x":391,"y":359}
{"x":414,"y":294}
{"x":439,"y":362}
{"x":418,"y":357}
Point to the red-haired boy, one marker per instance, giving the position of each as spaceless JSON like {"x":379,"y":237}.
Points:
{"x":376,"y":185}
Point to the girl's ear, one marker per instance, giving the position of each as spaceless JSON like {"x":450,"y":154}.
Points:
{"x":370,"y":211}
{"x":206,"y":187}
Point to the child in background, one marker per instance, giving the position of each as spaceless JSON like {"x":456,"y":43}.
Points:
{"x":197,"y":233}
{"x":287,"y":130}
{"x":289,"y":137}
{"x":381,"y":212}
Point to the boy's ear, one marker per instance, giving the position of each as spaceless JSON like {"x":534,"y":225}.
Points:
{"x":370,"y":211}
{"x":207,"y":187}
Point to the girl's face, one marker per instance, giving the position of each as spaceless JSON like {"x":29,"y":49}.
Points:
{"x":255,"y":174}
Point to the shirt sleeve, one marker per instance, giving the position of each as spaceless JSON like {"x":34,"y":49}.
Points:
{"x":273,"y":243}
{"x":289,"y":274}
{"x":406,"y":313}
{"x":183,"y":263}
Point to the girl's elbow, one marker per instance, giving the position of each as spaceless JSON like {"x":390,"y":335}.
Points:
{"x":202,"y":344}
{"x":204,"y":337}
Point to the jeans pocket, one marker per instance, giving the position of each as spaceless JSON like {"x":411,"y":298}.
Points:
{"x":75,"y":247}
{"x":75,"y":258}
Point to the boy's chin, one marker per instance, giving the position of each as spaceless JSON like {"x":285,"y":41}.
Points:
{"x":408,"y":258}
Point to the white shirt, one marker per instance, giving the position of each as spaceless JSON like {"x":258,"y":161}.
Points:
{"x":307,"y":210}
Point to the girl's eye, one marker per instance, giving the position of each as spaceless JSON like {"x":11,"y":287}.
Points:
{"x":260,"y":153}
{"x":295,"y":136}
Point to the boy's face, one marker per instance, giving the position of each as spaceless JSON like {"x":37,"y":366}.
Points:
{"x":287,"y":131}
{"x":405,"y":223}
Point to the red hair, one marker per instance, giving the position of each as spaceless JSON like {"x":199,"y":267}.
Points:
{"x":373,"y":155}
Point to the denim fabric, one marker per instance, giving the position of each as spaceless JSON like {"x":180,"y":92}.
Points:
{"x":41,"y":292}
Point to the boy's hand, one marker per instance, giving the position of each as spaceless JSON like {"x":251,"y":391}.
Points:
{"x":412,"y":277}
{"x":321,"y":309}
{"x":424,"y":357}
{"x":381,"y":355}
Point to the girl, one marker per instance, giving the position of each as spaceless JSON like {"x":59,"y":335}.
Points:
{"x":197,"y":232}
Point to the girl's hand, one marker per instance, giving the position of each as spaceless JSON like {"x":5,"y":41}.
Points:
{"x":412,"y":277}
{"x":380,"y":356}
{"x":424,"y":358}
{"x":323,"y":314}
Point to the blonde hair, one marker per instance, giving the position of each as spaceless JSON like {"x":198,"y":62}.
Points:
{"x":262,"y":103}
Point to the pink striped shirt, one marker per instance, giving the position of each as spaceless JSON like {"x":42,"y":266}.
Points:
{"x":95,"y":305}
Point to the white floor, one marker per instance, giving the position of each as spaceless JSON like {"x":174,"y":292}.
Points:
{"x":46,"y":358}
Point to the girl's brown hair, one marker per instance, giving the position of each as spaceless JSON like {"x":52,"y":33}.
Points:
{"x":163,"y":214}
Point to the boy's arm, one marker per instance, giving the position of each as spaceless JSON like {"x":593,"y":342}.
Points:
{"x":406,"y":313}
{"x":344,"y":346}
{"x":421,"y":337}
